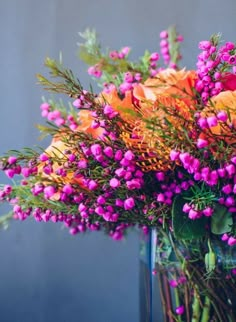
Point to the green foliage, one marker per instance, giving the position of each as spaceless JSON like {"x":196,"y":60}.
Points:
{"x":185,"y":228}
{"x":68,"y":84}
{"x":90,"y":53}
{"x":174,"y":46}
{"x":221,"y":221}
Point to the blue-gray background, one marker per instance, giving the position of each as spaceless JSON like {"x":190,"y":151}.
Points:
{"x":46,"y":275}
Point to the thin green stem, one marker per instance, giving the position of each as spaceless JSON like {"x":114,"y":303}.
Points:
{"x":206,"y":310}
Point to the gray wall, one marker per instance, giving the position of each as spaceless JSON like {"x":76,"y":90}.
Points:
{"x":46,"y":275}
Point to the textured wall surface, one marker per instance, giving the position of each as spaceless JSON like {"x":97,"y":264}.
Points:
{"x":46,"y":275}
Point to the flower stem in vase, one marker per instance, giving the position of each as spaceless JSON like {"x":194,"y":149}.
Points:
{"x":206,"y":310}
{"x":196,"y":307}
{"x":169,"y":309}
{"x":161,"y":288}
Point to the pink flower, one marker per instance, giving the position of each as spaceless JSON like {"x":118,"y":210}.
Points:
{"x":92,"y":185}
{"x":96,"y":149}
{"x":180,"y":310}
{"x":231,"y":241}
{"x":193,"y":214}
{"x":160,"y":176}
{"x":49,"y":191}
{"x":173,"y":283}
{"x":134,"y":184}
{"x":108,"y":152}
{"x":10,"y":173}
{"x":129,"y":203}
{"x":208,"y":211}
{"x":225,"y":237}
{"x":154,"y":56}
{"x":67,"y":189}
{"x":174,"y":155}
{"x":129,"y":155}
{"x":201,"y":143}
{"x":114,"y":183}
{"x":212,"y":121}
{"x":222,"y":116}
{"x":12,"y":160}
{"x":186,"y":208}
{"x":204,"y":45}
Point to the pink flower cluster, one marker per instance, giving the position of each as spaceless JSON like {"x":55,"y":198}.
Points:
{"x":211,"y":69}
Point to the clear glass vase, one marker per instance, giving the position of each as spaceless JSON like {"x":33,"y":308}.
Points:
{"x":186,"y":284}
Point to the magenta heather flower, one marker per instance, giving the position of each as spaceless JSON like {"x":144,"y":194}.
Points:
{"x":117,"y":235}
{"x":212,"y":121}
{"x":101,"y":200}
{"x":160,"y":176}
{"x":208,"y":211}
{"x":174,"y":155}
{"x":108,"y":152}
{"x":186,"y":208}
{"x":173,"y":283}
{"x":92,"y":185}
{"x":25,"y":172}
{"x":193,"y":214}
{"x":129,"y":155}
{"x":231,"y":241}
{"x":100,"y":210}
{"x":49,"y":191}
{"x":230,"y":169}
{"x":10,"y":173}
{"x":96,"y":149}
{"x":43,"y":157}
{"x":225,"y":237}
{"x":82,"y":164}
{"x":67,"y":189}
{"x":114,"y":183}
{"x":119,"y":203}
{"x":12,"y":159}
{"x":134,"y":184}
{"x":204,"y":45}
{"x":180,"y":310}
{"x":154,"y":56}
{"x":201,"y":143}
{"x":229,"y":201}
{"x":129,"y":203}
{"x":202,"y":122}
{"x":161,"y":197}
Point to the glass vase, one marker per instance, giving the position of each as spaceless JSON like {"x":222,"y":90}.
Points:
{"x":192,"y":282}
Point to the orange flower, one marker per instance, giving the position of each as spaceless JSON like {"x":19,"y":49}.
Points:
{"x":57,"y":150}
{"x":178,"y":84}
{"x":224,"y":132}
{"x":86,"y":120}
{"x":123,"y":106}
{"x":58,"y":147}
{"x":155,"y":114}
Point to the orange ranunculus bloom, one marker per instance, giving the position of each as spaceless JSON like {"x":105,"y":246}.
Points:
{"x":86,"y":120}
{"x":154,"y":114}
{"x":58,"y":147}
{"x":123,"y":106}
{"x":56,"y":150}
{"x":222,"y":132}
{"x":178,"y":84}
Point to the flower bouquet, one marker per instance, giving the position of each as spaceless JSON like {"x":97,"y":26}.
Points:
{"x":156,"y":148}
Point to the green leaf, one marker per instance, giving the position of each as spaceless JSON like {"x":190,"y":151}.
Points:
{"x":221,"y":221}
{"x":185,"y":228}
